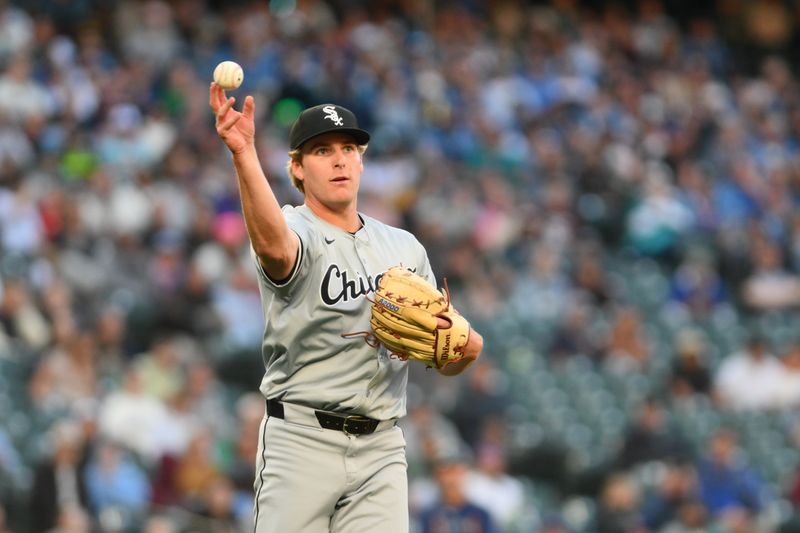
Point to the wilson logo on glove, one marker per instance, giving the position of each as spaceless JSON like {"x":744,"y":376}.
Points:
{"x":446,"y":347}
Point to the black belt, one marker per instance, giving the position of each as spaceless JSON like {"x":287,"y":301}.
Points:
{"x":350,"y":424}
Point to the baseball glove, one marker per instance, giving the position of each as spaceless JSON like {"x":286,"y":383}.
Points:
{"x":405,"y":317}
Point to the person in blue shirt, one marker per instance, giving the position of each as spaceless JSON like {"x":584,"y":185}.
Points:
{"x":726,"y":482}
{"x":114,"y":480}
{"x":453,"y":513}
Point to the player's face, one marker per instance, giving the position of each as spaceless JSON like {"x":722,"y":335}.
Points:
{"x":331,"y":170}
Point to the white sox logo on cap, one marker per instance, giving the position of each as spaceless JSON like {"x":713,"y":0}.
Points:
{"x":330,"y":113}
{"x":324,"y":118}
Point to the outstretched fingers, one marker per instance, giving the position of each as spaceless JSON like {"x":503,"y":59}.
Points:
{"x":222,"y":112}
{"x":248,"y":110}
{"x":216,"y":96}
{"x":225,"y":107}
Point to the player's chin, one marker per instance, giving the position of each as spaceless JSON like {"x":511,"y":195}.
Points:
{"x":343,"y":190}
{"x":341,"y":198}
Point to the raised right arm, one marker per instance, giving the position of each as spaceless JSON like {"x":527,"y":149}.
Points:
{"x":275,"y":244}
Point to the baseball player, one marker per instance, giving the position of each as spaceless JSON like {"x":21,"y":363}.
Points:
{"x":331,"y":457}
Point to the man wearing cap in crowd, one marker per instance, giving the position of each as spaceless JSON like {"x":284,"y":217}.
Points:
{"x":331,"y":457}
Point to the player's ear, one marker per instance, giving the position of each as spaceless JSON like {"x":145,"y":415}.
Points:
{"x":297,"y":169}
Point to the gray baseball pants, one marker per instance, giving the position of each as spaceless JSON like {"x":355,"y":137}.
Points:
{"x":315,"y":480}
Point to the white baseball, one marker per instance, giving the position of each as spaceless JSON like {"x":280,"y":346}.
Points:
{"x":228,"y":75}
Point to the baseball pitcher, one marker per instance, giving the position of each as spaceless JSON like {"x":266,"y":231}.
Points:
{"x":349,"y":301}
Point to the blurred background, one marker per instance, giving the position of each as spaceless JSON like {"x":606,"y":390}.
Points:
{"x":608,"y":187}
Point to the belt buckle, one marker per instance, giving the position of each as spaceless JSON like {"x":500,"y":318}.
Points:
{"x":354,"y":418}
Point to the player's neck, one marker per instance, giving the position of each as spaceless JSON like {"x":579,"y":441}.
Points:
{"x":347,"y":218}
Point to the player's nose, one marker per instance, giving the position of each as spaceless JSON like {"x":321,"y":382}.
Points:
{"x":339,"y":158}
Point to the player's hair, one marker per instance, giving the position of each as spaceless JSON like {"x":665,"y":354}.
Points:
{"x":297,"y":155}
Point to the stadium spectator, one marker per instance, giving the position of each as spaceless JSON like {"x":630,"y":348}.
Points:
{"x":110,"y":332}
{"x":32,"y":100}
{"x":658,"y":222}
{"x":218,"y":506}
{"x":489,"y":484}
{"x":618,"y":510}
{"x":628,"y":344}
{"x":115,"y":483}
{"x":13,"y":475}
{"x":690,"y":373}
{"x":747,"y":379}
{"x":651,"y":438}
{"x":20,"y":320}
{"x":692,"y":516}
{"x":60,"y":483}
{"x":696,"y":285}
{"x":728,"y":486}
{"x":67,"y":374}
{"x":541,"y":292}
{"x":429,"y":434}
{"x":675,"y":501}
{"x":481,"y":400}
{"x":590,"y":279}
{"x":160,"y":370}
{"x":196,"y":470}
{"x":770,"y":286}
{"x":574,"y":337}
{"x":205,"y":400}
{"x":453,"y":511}
{"x":131,"y":418}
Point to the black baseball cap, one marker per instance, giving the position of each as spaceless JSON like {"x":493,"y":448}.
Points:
{"x":325,"y":118}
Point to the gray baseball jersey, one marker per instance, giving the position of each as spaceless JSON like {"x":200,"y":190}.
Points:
{"x":307,"y":361}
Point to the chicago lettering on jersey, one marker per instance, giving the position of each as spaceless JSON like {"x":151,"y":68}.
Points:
{"x":338,"y":287}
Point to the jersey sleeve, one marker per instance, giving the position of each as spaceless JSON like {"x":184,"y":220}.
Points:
{"x":305,"y":232}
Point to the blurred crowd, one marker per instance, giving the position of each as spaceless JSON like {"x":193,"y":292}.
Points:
{"x":604,"y":185}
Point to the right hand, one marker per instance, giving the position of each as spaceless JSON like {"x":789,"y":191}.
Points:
{"x":236,"y":129}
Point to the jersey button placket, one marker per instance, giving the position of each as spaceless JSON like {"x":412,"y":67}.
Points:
{"x":361,"y":245}
{"x":363,"y":249}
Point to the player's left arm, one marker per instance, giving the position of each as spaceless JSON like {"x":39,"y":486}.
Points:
{"x":471,"y":353}
{"x":474,"y":345}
